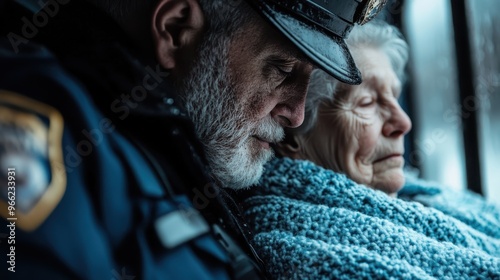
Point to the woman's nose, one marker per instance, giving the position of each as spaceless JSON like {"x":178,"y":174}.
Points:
{"x":398,"y":124}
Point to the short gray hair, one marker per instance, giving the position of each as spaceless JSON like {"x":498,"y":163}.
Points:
{"x":376,"y":34}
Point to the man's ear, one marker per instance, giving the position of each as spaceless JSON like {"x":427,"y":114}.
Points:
{"x":176,"y":25}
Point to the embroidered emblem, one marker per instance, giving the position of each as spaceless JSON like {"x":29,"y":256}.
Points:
{"x":31,"y":150}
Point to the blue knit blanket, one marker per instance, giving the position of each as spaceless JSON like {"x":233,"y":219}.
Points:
{"x":312,"y":223}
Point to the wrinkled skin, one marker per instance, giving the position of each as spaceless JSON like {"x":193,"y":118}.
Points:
{"x":361,"y":132}
{"x":240,"y":94}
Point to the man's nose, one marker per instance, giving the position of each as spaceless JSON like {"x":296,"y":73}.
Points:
{"x":290,"y":113}
{"x":398,"y":123}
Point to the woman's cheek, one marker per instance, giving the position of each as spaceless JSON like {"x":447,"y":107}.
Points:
{"x":368,"y":137}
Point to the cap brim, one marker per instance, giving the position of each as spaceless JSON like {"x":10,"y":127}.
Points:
{"x":329,"y":52}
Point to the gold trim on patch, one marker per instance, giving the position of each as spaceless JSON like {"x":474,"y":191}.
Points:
{"x":54,"y":192}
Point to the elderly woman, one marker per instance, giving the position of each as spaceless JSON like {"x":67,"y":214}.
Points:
{"x":314,"y":216}
{"x":358,"y":130}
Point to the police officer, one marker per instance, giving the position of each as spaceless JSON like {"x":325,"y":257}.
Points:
{"x":121,"y":120}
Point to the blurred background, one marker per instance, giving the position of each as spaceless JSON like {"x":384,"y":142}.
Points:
{"x":453,"y":90}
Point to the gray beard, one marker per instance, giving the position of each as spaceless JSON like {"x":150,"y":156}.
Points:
{"x":220,"y":121}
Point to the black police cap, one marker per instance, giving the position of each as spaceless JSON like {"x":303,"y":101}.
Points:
{"x":319,"y":28}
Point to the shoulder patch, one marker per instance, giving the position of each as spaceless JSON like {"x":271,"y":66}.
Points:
{"x":32,"y":173}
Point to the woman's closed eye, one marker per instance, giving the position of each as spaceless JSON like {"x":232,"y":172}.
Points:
{"x":366,"y":101}
{"x":366,"y":106}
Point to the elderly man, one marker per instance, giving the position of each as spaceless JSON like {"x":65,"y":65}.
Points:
{"x":146,"y":108}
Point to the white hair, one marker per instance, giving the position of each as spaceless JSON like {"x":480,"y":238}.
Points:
{"x":375,"y":34}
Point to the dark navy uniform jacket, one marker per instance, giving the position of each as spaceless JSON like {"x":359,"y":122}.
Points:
{"x":116,"y":179}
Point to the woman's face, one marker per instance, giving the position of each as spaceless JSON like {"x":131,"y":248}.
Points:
{"x":361,"y":132}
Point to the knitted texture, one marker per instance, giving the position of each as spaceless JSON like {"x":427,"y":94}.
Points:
{"x":466,"y":206}
{"x":312,"y":223}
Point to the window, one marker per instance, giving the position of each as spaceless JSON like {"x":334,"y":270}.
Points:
{"x":454,"y":102}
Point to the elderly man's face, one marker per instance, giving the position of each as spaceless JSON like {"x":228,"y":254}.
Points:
{"x":367,"y":125}
{"x":240,"y":95}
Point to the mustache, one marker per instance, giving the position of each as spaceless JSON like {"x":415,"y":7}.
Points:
{"x":270,"y":131}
